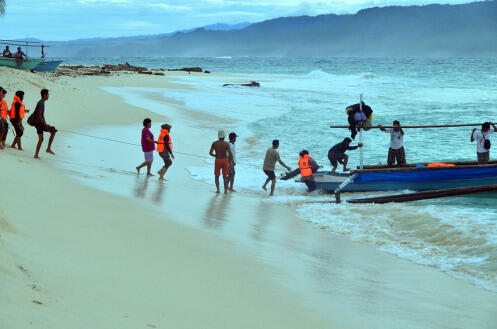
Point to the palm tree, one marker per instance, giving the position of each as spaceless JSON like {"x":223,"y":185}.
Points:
{"x":2,"y":7}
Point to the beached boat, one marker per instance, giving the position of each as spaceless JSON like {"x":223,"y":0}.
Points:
{"x":27,"y":64}
{"x":48,"y":65}
{"x":410,"y":177}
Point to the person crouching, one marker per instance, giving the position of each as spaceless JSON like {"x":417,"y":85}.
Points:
{"x":305,"y":167}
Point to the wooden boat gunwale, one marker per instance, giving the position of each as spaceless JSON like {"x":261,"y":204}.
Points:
{"x":409,"y":168}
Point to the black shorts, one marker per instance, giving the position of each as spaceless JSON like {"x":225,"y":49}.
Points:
{"x":4,"y":127}
{"x":40,"y":129}
{"x":270,"y":174}
{"x":16,"y":123}
{"x":396,"y":154}
{"x":335,"y":158}
{"x":167,"y":160}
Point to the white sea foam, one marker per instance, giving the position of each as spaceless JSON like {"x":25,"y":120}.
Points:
{"x":457,"y":236}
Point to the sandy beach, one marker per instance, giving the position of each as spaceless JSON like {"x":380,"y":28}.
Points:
{"x":72,"y":256}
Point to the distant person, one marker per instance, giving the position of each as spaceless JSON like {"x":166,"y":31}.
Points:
{"x":4,"y":112}
{"x":396,"y":151}
{"x":148,"y":146}
{"x":20,"y":55}
{"x":231,"y":175}
{"x":482,"y":138}
{"x":272,"y":156}
{"x":17,"y":112}
{"x":41,"y":125}
{"x":306,"y":172}
{"x":220,"y":149}
{"x":6,"y":52}
{"x":165,"y":149}
{"x":337,"y":154}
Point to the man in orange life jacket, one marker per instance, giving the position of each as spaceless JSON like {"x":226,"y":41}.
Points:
{"x":306,"y":170}
{"x":165,"y":149}
{"x":4,"y":113}
{"x":17,"y":111}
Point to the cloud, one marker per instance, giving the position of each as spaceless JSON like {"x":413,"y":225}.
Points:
{"x":69,"y":19}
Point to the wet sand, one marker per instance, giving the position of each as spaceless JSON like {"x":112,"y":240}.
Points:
{"x":96,"y":259}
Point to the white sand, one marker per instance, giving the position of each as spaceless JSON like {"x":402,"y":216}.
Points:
{"x":96,"y":260}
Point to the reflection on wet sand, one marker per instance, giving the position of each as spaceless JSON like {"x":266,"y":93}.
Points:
{"x":217,"y":211}
{"x":142,"y":185}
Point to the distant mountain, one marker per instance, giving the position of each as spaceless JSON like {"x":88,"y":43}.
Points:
{"x":431,"y":30}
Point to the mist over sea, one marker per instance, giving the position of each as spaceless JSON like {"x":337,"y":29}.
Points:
{"x":300,"y":98}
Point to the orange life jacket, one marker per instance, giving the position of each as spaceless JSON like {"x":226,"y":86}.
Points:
{"x":440,"y":164}
{"x":13,"y":108}
{"x":305,"y":166}
{"x":160,"y":141}
{"x":4,"y":109}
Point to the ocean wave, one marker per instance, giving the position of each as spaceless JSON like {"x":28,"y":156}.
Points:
{"x":446,"y":237}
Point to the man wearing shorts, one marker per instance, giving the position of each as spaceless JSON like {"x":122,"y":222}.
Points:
{"x":269,"y":164}
{"x":231,"y":176}
{"x":219,"y":150}
{"x":4,"y":111}
{"x":481,"y":136}
{"x":41,"y":125}
{"x":396,"y":151}
{"x":337,"y":154}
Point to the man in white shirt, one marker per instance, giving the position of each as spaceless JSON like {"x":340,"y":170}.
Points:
{"x":396,"y":151}
{"x":482,"y":138}
{"x":231,"y":176}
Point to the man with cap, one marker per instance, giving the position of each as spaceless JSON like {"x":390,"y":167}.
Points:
{"x":220,"y":150}
{"x":231,"y":175}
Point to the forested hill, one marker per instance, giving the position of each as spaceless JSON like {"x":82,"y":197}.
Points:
{"x":431,"y":30}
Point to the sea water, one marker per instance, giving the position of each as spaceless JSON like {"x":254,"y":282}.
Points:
{"x":300,"y":98}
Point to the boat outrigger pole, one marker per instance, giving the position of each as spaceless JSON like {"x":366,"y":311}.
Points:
{"x":429,"y":126}
{"x":361,"y":163}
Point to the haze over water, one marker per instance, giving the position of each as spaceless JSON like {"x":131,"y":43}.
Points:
{"x":300,"y":98}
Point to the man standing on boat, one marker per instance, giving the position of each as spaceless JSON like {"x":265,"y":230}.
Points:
{"x":396,"y":150}
{"x":20,"y":56}
{"x":337,"y":154}
{"x":482,"y":138}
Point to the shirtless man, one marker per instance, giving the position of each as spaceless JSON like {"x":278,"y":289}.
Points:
{"x":222,"y":148}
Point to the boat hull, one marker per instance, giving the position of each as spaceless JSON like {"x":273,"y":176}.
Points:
{"x":429,"y":179}
{"x":48,"y":66}
{"x":27,"y":64}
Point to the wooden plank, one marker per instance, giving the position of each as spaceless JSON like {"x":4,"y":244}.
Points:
{"x":426,"y":195}
{"x":429,"y":126}
{"x":402,"y":169}
{"x":410,"y":165}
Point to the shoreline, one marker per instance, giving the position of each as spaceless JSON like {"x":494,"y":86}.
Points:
{"x":349,"y":284}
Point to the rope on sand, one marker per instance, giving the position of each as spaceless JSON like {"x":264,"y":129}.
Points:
{"x":123,"y":142}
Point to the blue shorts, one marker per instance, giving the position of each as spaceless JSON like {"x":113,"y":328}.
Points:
{"x":149,"y":156}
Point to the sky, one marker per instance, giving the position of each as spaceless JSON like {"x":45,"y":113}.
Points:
{"x":75,"y":19}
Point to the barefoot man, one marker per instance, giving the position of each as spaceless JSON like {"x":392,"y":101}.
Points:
{"x":269,"y":164}
{"x":41,"y":125}
{"x":221,"y":148}
{"x":337,"y":154}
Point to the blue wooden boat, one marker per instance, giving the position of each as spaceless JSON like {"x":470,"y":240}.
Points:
{"x":382,"y":178}
{"x":48,"y":66}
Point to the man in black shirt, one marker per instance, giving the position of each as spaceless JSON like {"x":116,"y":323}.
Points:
{"x":41,"y":125}
{"x":337,"y":154}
